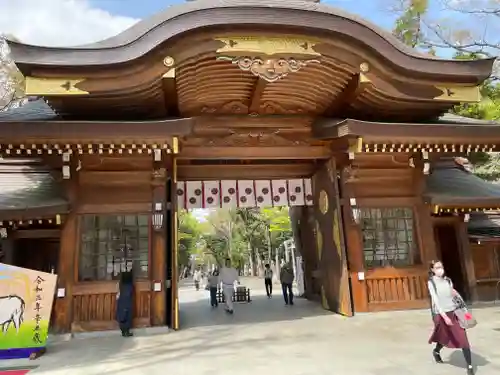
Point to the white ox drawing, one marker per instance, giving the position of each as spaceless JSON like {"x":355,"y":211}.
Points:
{"x":11,"y":311}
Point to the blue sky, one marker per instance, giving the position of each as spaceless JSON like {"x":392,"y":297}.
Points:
{"x":372,"y":10}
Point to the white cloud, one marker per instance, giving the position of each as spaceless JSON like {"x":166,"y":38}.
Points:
{"x":59,"y":22}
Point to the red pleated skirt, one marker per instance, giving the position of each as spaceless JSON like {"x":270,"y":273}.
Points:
{"x":454,"y":337}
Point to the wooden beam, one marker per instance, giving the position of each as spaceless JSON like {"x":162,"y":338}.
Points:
{"x":93,"y":131}
{"x":36,"y":233}
{"x":227,"y":172}
{"x":258,"y":89}
{"x":354,"y":88}
{"x":255,"y":153}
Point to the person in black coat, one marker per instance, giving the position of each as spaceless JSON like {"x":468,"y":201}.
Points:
{"x":125,"y":303}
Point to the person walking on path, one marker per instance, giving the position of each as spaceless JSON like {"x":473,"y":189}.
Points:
{"x":213,"y":285}
{"x":286,"y":278}
{"x":447,"y":330}
{"x":197,"y":276}
{"x":268,"y":280}
{"x":228,"y":276}
{"x":125,"y":303}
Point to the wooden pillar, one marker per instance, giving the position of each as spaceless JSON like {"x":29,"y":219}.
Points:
{"x":68,"y":262}
{"x":423,"y":217}
{"x":158,"y":254}
{"x":467,"y":262}
{"x":354,"y":248}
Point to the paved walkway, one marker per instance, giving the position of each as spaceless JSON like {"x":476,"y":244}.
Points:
{"x":268,"y":337}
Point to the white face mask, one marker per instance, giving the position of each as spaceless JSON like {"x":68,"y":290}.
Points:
{"x":439,"y":272}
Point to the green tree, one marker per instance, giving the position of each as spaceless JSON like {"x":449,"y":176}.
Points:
{"x":189,"y":236}
{"x":223,"y":237}
{"x":408,"y":26}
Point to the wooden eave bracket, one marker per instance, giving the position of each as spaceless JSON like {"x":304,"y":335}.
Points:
{"x":254,"y":102}
{"x":351,"y":92}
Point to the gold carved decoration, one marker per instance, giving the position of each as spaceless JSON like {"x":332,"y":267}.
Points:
{"x":169,"y":62}
{"x":469,"y":94}
{"x":364,"y":67}
{"x":269,"y":70}
{"x":269,"y":58}
{"x":53,"y":86}
{"x":268,"y":46}
{"x":323,"y":202}
{"x":175,"y":145}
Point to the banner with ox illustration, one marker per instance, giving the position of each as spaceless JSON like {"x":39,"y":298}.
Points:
{"x":26,"y":298}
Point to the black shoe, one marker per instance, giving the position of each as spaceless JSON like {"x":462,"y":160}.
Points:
{"x":291,"y":303}
{"x":470,"y":370}
{"x":437,"y":357}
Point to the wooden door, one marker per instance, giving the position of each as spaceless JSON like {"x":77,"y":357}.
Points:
{"x":335,"y":288}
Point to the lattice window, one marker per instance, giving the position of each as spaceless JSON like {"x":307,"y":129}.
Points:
{"x":110,"y":244}
{"x":388,"y":237}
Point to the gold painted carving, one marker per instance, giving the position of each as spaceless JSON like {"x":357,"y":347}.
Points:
{"x":363,"y":79}
{"x":469,"y":94}
{"x":175,"y":145}
{"x":169,"y":62}
{"x":53,"y":86}
{"x":323,"y":202}
{"x":268,"y":46}
{"x":269,"y":70}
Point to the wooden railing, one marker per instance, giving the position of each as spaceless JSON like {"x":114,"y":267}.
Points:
{"x":393,"y":289}
{"x":94,"y":306}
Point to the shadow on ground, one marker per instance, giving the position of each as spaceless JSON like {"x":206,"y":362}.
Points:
{"x":457,"y":359}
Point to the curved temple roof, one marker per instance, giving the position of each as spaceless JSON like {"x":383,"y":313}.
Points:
{"x":176,"y":20}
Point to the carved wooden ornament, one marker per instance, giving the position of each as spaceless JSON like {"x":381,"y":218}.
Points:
{"x":271,"y":70}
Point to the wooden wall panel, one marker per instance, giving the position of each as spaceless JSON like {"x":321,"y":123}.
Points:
{"x":111,"y":200}
{"x":485,"y":258}
{"x":118,"y":179}
{"x":386,"y":180}
{"x":116,"y":162}
{"x":94,"y":306}
{"x":394,"y":289}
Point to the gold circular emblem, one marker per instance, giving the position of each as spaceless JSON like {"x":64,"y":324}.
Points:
{"x":364,"y":67}
{"x":323,"y":202}
{"x":168,"y":61}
